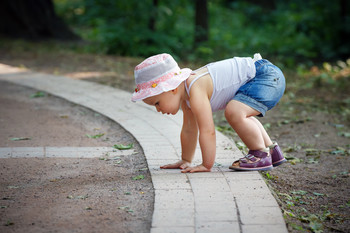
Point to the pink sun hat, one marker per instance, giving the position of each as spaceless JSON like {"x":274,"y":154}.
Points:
{"x":158,"y":74}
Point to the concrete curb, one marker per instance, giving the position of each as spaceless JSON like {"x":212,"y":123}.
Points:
{"x":219,"y":201}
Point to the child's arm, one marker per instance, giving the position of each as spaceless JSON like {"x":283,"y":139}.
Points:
{"x":201,"y":109}
{"x":189,"y":136}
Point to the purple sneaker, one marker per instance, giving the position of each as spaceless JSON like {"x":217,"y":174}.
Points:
{"x":276,"y":155}
{"x":255,"y":160}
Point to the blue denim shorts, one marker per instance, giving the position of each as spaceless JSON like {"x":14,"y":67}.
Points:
{"x":265,"y":90}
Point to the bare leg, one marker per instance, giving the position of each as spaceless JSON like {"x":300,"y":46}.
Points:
{"x":267,"y":139}
{"x":240,"y":117}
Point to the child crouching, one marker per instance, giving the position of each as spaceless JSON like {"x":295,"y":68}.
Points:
{"x":243,"y":87}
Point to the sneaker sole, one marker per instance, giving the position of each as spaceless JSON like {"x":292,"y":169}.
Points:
{"x":252,"y":169}
{"x":279,"y":162}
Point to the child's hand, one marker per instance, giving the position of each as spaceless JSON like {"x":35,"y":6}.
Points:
{"x":199,"y":168}
{"x":182,"y":164}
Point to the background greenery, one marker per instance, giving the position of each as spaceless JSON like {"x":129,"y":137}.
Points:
{"x":288,"y":31}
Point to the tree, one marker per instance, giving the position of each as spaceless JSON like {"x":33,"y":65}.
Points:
{"x":32,"y":19}
{"x":344,"y":32}
{"x":152,"y":20}
{"x":201,"y":31}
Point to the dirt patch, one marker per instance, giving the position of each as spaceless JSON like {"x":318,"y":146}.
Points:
{"x":313,"y":188}
{"x":50,"y":121}
{"x":68,"y":194}
{"x":74,"y":195}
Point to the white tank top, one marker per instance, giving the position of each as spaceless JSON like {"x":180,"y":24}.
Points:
{"x":228,"y":76}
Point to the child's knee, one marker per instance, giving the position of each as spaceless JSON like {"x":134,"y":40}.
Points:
{"x":232,"y":115}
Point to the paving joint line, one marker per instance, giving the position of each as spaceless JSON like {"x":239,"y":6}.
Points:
{"x":238,"y":216}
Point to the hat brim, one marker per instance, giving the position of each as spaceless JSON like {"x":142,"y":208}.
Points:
{"x":164,"y":86}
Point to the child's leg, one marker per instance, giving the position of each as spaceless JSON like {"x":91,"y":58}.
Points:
{"x":254,"y":98}
{"x":240,"y":117}
{"x":267,"y":139}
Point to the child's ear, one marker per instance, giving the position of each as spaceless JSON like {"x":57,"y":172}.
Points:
{"x":174,"y":91}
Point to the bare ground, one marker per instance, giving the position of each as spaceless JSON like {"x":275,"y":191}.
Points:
{"x":68,"y":194}
{"x":311,"y":125}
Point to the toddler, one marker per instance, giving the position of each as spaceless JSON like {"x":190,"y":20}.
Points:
{"x":243,"y":87}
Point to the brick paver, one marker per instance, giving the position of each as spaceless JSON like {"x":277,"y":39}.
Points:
{"x":219,"y":201}
{"x":62,"y":152}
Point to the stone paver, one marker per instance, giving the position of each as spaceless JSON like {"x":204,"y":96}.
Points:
{"x":219,"y":201}
{"x":62,"y":152}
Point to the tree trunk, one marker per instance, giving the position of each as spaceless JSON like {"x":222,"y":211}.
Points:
{"x":344,"y":33}
{"x":32,"y":19}
{"x":152,"y":20}
{"x":201,"y":22}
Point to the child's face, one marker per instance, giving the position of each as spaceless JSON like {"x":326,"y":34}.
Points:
{"x":166,"y":103}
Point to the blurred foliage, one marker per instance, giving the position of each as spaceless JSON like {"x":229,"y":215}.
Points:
{"x":323,"y":88}
{"x":290,"y":32}
{"x":329,"y":75}
{"x":122,"y":27}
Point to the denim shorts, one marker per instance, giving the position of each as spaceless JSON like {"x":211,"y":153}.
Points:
{"x":265,"y":90}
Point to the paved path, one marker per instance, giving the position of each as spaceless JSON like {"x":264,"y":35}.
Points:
{"x":219,"y":201}
{"x":61,"y":152}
